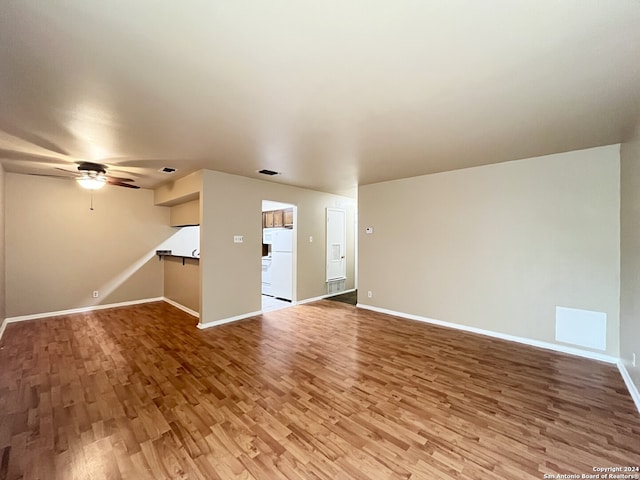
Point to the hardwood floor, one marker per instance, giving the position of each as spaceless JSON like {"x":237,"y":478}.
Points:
{"x":319,"y":391}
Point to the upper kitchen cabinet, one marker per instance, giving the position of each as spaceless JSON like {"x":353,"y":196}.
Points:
{"x":277,"y":218}
{"x":185,"y":214}
{"x":267,"y":219}
{"x":288,"y":217}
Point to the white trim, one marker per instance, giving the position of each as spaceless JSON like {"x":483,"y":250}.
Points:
{"x":503,"y":336}
{"x":322,"y":297}
{"x":633,"y":390}
{"x":179,"y":306}
{"x":3,"y":325}
{"x":36,"y":316}
{"x":202,"y":326}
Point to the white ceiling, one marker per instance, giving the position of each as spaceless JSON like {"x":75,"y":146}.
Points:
{"x":332,"y":93}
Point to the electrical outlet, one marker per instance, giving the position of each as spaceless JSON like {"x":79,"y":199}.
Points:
{"x":310,"y":239}
{"x":369,"y":294}
{"x":238,"y":239}
{"x":95,"y":294}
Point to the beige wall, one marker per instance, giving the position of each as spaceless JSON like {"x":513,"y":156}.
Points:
{"x":182,"y":190}
{"x":231,"y":273}
{"x":188,"y":213}
{"x":2,"y":247}
{"x":630,"y":256}
{"x":182,"y":281}
{"x":498,"y":247}
{"x":58,"y":251}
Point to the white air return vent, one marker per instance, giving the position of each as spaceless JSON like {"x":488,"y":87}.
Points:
{"x":335,"y":286}
{"x":581,"y":327}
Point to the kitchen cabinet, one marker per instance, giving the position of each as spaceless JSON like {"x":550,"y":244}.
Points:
{"x":277,"y":218}
{"x":267,"y":219}
{"x":288,"y":217}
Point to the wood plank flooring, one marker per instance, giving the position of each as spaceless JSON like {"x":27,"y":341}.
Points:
{"x":318,"y":391}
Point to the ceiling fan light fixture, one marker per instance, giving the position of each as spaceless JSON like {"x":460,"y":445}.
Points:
{"x":92,"y":181}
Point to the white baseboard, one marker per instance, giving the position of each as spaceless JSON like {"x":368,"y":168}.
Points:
{"x":203,"y":326}
{"x":503,"y":336}
{"x":36,"y":316}
{"x":633,"y":390}
{"x":322,"y":297}
{"x":181,"y":307}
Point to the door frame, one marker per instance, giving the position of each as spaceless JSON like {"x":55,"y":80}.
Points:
{"x":344,"y":243}
{"x":294,"y":247}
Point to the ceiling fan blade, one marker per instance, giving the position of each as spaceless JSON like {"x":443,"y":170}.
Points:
{"x":110,"y":181}
{"x":68,"y":171}
{"x":118,"y":179}
{"x":150,"y":163}
{"x":63,"y":177}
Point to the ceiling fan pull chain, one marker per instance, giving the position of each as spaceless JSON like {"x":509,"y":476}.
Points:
{"x":91,"y":208}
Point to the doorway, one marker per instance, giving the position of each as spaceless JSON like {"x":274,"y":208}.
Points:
{"x":278,"y":286}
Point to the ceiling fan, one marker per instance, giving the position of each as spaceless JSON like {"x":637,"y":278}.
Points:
{"x":93,"y":176}
{"x":30,"y":159}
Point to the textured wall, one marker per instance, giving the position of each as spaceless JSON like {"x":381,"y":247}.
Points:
{"x":59,"y":251}
{"x":498,"y":247}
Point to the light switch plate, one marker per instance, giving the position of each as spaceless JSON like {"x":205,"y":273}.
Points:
{"x":238,"y":239}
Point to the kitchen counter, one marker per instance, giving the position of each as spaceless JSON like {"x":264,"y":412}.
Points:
{"x":183,"y":257}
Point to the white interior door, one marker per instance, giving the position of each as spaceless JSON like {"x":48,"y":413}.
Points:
{"x":336,"y":244}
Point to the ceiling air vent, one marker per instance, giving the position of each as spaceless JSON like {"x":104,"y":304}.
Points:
{"x":167,"y":170}
{"x":268,"y":172}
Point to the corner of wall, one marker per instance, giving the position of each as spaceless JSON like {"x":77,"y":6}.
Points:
{"x":2,"y":254}
{"x":630,"y":261}
{"x":181,"y":190}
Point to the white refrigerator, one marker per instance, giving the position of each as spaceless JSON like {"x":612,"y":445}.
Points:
{"x":282,"y":264}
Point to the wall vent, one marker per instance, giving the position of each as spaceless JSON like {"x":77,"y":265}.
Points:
{"x":335,"y":286}
{"x":167,"y":170}
{"x":268,"y":172}
{"x":581,"y":327}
